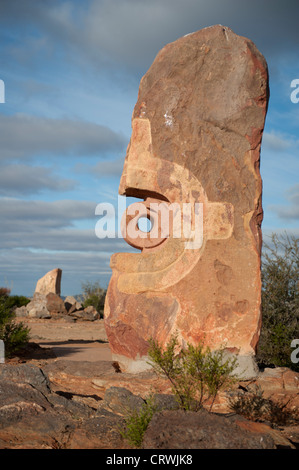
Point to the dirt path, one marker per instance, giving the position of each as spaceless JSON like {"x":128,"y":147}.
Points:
{"x":77,"y":341}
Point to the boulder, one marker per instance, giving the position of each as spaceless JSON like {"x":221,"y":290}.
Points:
{"x":39,"y":313}
{"x":121,"y":401}
{"x":47,"y":306}
{"x":70,"y":300}
{"x":26,"y":374}
{"x":50,"y":282}
{"x":75,"y":307}
{"x":32,"y":416}
{"x":165,"y":402}
{"x":88,"y":314}
{"x":203,"y":430}
{"x":55,"y":304}
{"x":72,"y":304}
{"x":37,"y":308}
{"x":21,"y":311}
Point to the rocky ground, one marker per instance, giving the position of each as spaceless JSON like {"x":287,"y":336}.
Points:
{"x":64,"y":391}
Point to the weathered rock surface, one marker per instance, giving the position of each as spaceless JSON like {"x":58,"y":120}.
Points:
{"x":88,"y":378}
{"x":196,"y":137}
{"x":70,"y":300}
{"x":71,"y":304}
{"x":55,"y":304}
{"x":121,"y":401}
{"x":34,"y":417}
{"x":50,"y":283}
{"x":21,"y":311}
{"x":37,"y":308}
{"x":58,"y":406}
{"x":203,"y":430}
{"x":25,"y":374}
{"x":88,"y":314}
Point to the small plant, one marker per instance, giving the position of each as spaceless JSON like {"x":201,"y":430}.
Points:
{"x":196,"y":374}
{"x":280,"y":414}
{"x":250,"y":404}
{"x":14,"y":335}
{"x":137,"y":421}
{"x":93,"y":295}
{"x":254,"y":406}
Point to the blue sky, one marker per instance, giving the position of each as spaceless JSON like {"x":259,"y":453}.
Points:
{"x":71,"y":71}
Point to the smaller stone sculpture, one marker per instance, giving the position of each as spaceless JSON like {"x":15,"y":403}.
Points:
{"x":49,"y":283}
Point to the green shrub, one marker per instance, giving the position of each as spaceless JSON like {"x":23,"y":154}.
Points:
{"x":196,"y":374}
{"x":14,"y":335}
{"x":254,"y":406}
{"x":94,"y":295}
{"x":15,"y":301}
{"x":137,"y":421}
{"x":280,"y":302}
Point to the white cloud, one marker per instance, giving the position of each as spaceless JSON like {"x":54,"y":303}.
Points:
{"x":109,"y":168}
{"x":275,"y":142}
{"x":24,"y":136}
{"x":130,"y":32}
{"x":51,"y":226}
{"x":103,"y":169}
{"x":26,"y":215}
{"x":291,"y":211}
{"x":61,"y":240}
{"x":37,"y":236}
{"x":17,"y":180}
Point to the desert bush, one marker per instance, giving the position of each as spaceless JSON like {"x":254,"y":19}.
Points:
{"x":280,"y":301}
{"x":251,"y":404}
{"x":137,"y":421}
{"x":254,"y":406}
{"x":196,"y":373}
{"x":15,"y":301}
{"x":93,"y":295}
{"x":14,"y":335}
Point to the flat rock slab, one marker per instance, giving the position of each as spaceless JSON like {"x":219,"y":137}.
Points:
{"x":88,"y":378}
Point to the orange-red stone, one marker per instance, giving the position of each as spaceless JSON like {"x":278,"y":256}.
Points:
{"x":196,"y":136}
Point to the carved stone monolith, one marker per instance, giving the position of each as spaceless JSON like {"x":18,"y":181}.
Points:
{"x":195,"y":150}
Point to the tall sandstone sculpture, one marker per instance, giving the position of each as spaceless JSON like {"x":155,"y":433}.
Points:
{"x":196,"y":136}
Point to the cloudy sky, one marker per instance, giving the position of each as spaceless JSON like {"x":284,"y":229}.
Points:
{"x":71,"y":71}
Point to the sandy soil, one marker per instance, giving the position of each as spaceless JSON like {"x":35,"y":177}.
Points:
{"x":62,"y":330}
{"x":79,"y":341}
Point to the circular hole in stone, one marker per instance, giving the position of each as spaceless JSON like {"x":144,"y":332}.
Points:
{"x":144,"y":224}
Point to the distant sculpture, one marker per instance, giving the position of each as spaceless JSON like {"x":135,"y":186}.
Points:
{"x":49,"y":283}
{"x":196,"y":135}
